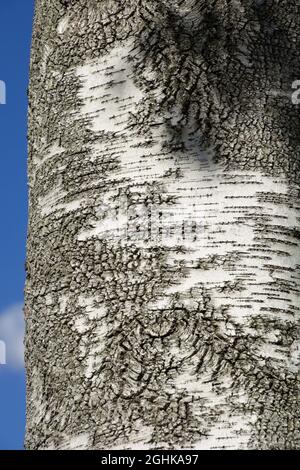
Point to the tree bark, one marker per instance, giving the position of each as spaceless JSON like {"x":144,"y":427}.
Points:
{"x":163,"y":262}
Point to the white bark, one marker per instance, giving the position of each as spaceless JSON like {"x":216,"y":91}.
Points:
{"x":162,"y":295}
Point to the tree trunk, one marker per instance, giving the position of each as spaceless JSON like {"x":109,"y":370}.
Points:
{"x":163,"y":262}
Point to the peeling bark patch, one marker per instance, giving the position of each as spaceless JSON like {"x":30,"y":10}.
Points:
{"x":108,"y":92}
{"x":63,"y":25}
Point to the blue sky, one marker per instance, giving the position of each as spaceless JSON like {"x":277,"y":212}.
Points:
{"x":15,"y":36}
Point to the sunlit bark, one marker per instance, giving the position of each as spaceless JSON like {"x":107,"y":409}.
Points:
{"x":163,"y":262}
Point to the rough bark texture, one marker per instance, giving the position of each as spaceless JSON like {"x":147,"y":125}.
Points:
{"x":163,"y":263}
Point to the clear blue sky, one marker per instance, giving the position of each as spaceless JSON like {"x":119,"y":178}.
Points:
{"x":15,"y":36}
